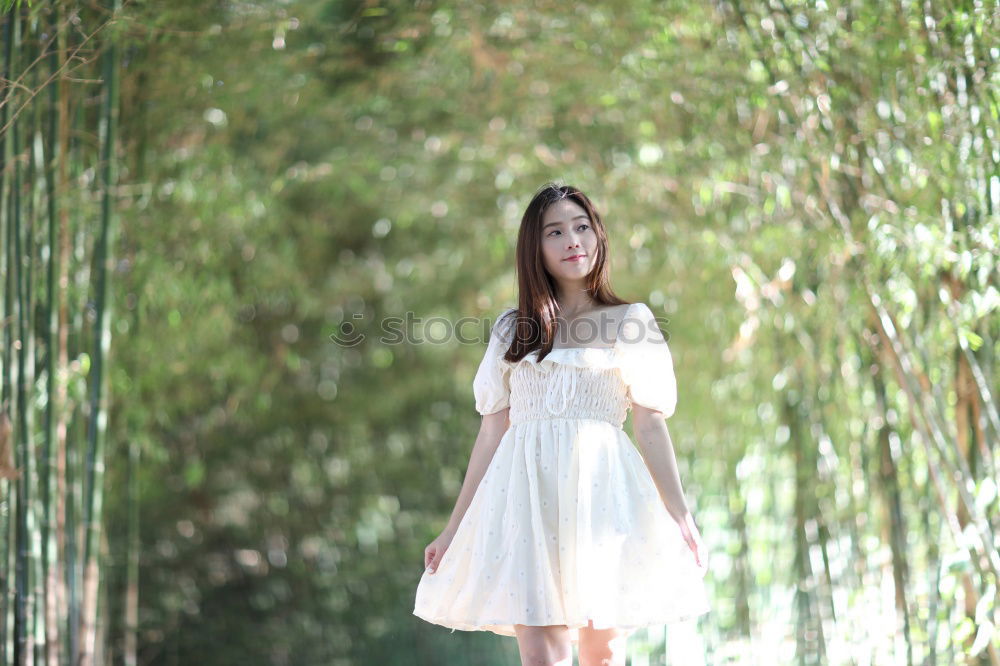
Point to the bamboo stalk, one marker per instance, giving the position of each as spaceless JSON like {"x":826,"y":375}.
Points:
{"x":53,"y":404}
{"x":63,"y":595}
{"x":889,"y":480}
{"x":23,"y":610}
{"x":74,"y":440}
{"x":97,"y":426}
{"x":34,"y":185}
{"x":7,"y":486}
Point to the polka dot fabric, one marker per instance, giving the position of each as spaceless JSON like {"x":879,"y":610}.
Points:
{"x":567,"y":526}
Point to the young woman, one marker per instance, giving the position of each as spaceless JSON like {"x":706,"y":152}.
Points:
{"x":563,"y":532}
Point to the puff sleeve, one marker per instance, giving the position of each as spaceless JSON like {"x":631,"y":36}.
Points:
{"x":647,"y":367}
{"x":491,"y":386}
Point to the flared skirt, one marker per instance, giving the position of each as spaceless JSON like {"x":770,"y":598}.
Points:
{"x":566,"y":528}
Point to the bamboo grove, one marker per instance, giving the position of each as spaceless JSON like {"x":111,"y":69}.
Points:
{"x":897,"y":167}
{"x":57,"y":223}
{"x":194,"y":195}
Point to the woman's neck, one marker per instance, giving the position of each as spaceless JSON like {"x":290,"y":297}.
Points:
{"x":575,"y":301}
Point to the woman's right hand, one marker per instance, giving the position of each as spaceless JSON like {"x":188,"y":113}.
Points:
{"x":435,"y":550}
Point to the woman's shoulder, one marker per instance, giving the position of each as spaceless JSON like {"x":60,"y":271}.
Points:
{"x":503,"y":325}
{"x":641,"y":312}
{"x":506,"y":316}
{"x":636,"y":312}
{"x":640,"y":324}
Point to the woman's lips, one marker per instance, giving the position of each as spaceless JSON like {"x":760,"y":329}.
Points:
{"x":579,"y":257}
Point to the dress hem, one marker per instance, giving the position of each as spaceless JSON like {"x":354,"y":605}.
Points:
{"x":506,"y":628}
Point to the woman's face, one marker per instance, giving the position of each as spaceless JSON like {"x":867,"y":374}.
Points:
{"x":567,"y":232}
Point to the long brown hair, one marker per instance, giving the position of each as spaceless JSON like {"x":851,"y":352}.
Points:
{"x":537,"y":307}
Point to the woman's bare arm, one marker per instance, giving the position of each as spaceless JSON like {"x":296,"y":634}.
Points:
{"x":657,"y":449}
{"x":658,"y":452}
{"x":491,"y":430}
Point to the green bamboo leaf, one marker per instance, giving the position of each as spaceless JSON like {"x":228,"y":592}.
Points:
{"x":974,"y":339}
{"x":934,"y":123}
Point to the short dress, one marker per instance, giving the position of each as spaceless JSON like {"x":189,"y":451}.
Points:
{"x":566,"y":525}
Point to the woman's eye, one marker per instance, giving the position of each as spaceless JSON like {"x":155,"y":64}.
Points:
{"x":556,"y":231}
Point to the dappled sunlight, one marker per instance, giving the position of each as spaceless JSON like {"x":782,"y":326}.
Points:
{"x":251,"y":256}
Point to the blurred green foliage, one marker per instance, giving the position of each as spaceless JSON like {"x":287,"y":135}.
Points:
{"x":771,"y":175}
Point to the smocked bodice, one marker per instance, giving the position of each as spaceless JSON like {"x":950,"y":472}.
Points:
{"x":566,"y":390}
{"x":580,"y":382}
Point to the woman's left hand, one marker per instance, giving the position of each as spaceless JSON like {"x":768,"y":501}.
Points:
{"x":693,"y":539}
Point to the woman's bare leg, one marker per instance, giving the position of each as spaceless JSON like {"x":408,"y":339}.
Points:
{"x":602,"y":647}
{"x":544,"y":646}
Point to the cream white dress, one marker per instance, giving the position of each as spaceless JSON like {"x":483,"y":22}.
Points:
{"x":566,"y":525}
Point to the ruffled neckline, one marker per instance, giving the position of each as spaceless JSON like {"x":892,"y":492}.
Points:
{"x":580,"y":357}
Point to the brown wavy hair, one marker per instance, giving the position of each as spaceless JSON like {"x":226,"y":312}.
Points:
{"x":537,"y":307}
